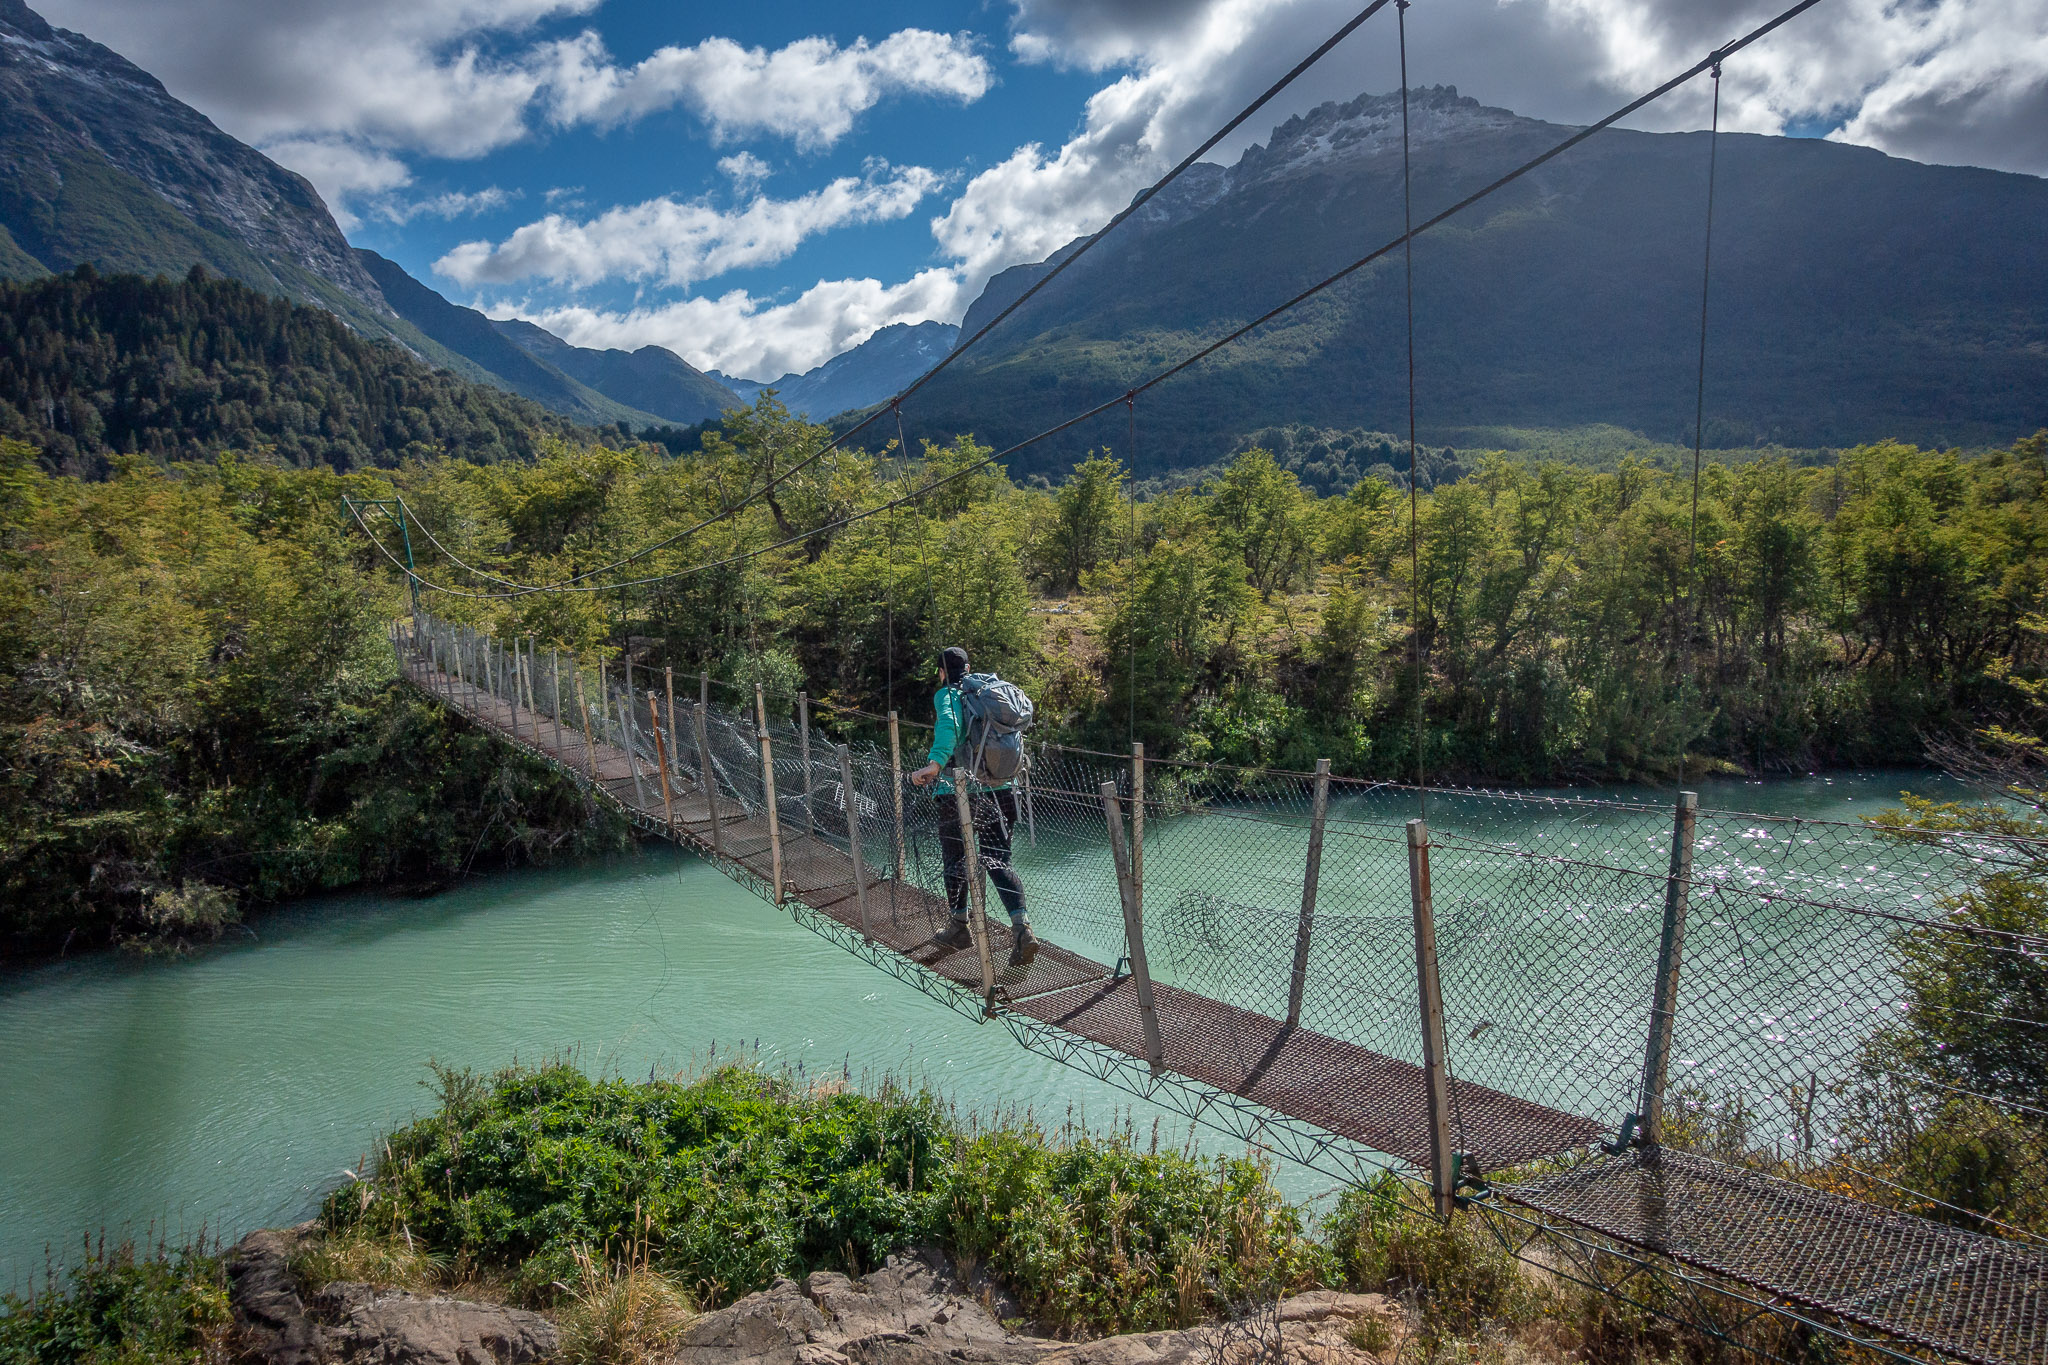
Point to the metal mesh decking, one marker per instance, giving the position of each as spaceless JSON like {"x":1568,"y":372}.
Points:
{"x":1960,"y":1293}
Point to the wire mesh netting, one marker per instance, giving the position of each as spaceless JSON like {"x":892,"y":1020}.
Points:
{"x":1852,"y":1016}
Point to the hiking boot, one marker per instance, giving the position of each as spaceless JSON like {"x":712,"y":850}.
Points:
{"x":959,"y":936}
{"x":1023,"y":945}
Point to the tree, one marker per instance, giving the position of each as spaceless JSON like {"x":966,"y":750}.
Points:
{"x":1260,"y":512}
{"x":1084,"y":523}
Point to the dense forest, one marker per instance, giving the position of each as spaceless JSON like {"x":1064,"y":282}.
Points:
{"x":197,"y":705}
{"x":93,"y":367}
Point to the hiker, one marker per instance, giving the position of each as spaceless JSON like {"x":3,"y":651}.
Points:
{"x":993,"y":802}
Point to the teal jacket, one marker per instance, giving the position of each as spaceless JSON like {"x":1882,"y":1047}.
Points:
{"x":946,"y":735}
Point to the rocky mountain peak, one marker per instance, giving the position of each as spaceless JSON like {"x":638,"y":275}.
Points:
{"x":1341,"y":132}
{"x":99,"y":162}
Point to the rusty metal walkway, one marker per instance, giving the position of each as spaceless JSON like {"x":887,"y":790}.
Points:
{"x":1964,"y":1295}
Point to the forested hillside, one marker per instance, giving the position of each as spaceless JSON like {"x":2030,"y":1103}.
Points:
{"x":196,"y":702}
{"x":93,"y":366}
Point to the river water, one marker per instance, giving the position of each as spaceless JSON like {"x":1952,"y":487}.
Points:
{"x":229,"y":1089}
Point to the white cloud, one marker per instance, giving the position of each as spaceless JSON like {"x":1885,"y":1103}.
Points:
{"x":809,"y":91}
{"x":750,"y":337}
{"x":676,"y":243}
{"x":330,"y":87}
{"x":745,"y":170}
{"x":1961,"y":81}
{"x":452,"y":205}
{"x":341,"y":171}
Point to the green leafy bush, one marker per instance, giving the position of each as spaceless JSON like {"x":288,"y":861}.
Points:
{"x":114,"y":1308}
{"x":723,"y":1184}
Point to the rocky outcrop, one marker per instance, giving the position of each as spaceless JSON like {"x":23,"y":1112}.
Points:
{"x":350,"y":1322}
{"x":915,"y":1310}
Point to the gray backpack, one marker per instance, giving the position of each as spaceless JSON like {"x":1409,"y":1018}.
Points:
{"x":994,"y":714}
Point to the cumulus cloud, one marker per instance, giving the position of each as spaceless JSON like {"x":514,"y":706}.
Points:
{"x":750,"y":337}
{"x":343,"y":90}
{"x":448,"y":207}
{"x":809,"y":91}
{"x":1961,"y":81}
{"x":744,"y":169}
{"x":676,"y":243}
{"x":341,"y":171}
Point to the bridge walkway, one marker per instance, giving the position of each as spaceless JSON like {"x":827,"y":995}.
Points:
{"x":1961,"y":1294}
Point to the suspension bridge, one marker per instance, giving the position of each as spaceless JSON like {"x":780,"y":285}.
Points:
{"x":1359,"y":991}
{"x":1638,"y":1045}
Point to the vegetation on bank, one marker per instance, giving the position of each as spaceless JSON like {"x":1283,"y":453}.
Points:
{"x":197,"y":712}
{"x":115,"y":1307}
{"x":531,"y":1183}
{"x":197,"y":708}
{"x":1840,"y":613}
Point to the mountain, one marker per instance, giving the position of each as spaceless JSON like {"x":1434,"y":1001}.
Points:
{"x":475,"y":338}
{"x":870,"y":373}
{"x":99,"y":163}
{"x":1854,"y":295}
{"x":652,"y":379}
{"x":93,"y":366}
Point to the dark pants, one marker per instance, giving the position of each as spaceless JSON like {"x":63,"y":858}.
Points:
{"x":995,"y":815}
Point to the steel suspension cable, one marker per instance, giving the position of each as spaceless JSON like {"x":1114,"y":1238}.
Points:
{"x":1098,"y":409}
{"x":1414,"y":467}
{"x":1131,"y":576}
{"x":1688,"y":683}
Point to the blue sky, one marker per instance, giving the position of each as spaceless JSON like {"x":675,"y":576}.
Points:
{"x":758,"y":187}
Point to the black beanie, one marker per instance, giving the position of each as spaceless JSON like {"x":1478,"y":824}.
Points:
{"x":953,"y":663}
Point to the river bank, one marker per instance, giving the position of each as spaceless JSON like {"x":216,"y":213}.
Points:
{"x":229,"y":1089}
{"x":752,"y":1218}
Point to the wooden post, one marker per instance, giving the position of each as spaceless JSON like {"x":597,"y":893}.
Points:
{"x":1030,"y":806}
{"x":896,"y":788}
{"x":583,"y":707}
{"x":1670,"y":949}
{"x":629,"y":732}
{"x":977,"y":911}
{"x":675,"y":736}
{"x":1138,"y":825}
{"x":1442,"y":1180}
{"x":1134,"y":928}
{"x":555,"y":691}
{"x":803,"y":713}
{"x":703,"y":689}
{"x":710,"y":781}
{"x":668,"y":805}
{"x":518,"y":689}
{"x":851,"y":799}
{"x":526,"y":673}
{"x":1310,"y":876}
{"x":768,"y":795}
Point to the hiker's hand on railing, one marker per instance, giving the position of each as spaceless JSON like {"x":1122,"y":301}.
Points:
{"x":926,"y":775}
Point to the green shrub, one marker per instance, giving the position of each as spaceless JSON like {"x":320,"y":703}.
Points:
{"x":728,"y":1182}
{"x":1096,"y":1236}
{"x":116,"y":1309}
{"x":1458,"y":1276}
